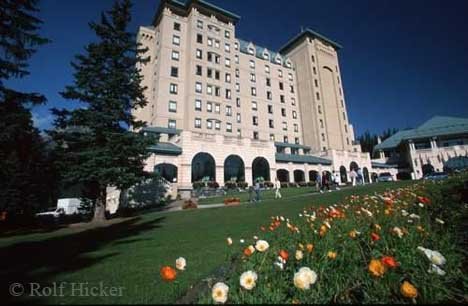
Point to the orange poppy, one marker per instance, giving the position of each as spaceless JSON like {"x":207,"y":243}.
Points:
{"x":247,"y":251}
{"x":389,"y":261}
{"x":168,"y":274}
{"x":284,"y":254}
{"x":375,"y":237}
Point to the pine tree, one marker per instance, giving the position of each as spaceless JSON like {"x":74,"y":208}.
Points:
{"x":22,"y":150}
{"x":96,"y":147}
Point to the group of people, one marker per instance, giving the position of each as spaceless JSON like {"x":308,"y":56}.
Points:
{"x":357,"y":177}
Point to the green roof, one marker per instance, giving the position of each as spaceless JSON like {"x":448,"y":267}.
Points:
{"x":161,"y":130}
{"x":165,"y":148}
{"x":301,"y":159}
{"x":291,"y":145}
{"x":382,"y":165}
{"x":258,"y":52}
{"x":307,"y":33}
{"x":436,"y":126}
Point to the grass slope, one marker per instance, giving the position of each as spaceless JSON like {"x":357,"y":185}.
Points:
{"x":129,"y":254}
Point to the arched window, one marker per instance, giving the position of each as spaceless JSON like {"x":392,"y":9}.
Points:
{"x":343,"y":174}
{"x":313,"y":175}
{"x":203,"y":165}
{"x":234,"y":169}
{"x":353,"y":166}
{"x":427,"y":169}
{"x":365,"y":172}
{"x":299,"y":176}
{"x":260,"y":169}
{"x":167,"y":171}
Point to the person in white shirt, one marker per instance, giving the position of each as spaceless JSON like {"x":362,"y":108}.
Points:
{"x":337,"y":179}
{"x":353,"y":176}
{"x":277,"y":189}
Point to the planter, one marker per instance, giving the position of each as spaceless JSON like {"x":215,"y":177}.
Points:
{"x":234,"y":203}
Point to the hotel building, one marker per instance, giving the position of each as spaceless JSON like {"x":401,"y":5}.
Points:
{"x":225,"y":109}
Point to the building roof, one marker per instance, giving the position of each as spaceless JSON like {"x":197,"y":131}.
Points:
{"x":291,"y":145}
{"x":436,"y":126}
{"x":307,"y":33}
{"x":161,"y":130}
{"x":301,"y":159}
{"x":258,"y":52}
{"x":382,"y":165}
{"x":165,"y":148}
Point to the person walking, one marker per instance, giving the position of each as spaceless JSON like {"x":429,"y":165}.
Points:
{"x":336,"y":180}
{"x":318,"y":182}
{"x":353,"y":175}
{"x":257,"y":191}
{"x":360,"y":176}
{"x":251,"y":192}
{"x":325,"y":182}
{"x":277,"y":189}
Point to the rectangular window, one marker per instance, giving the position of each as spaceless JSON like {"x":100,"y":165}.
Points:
{"x":313,"y":59}
{"x":198,"y":105}
{"x":291,"y":89}
{"x":285,"y":139}
{"x":229,"y":127}
{"x":238,"y":117}
{"x":173,"y":88}
{"x":227,"y":34}
{"x":252,"y":77}
{"x":198,"y":123}
{"x":290,"y":77}
{"x":237,"y":73}
{"x":293,"y":101}
{"x":281,"y":87}
{"x":267,"y":69}
{"x":209,"y":124}
{"x":227,"y":62}
{"x":269,"y":95}
{"x":209,"y":90}
{"x":321,"y":123}
{"x":209,"y":107}
{"x":282,"y":98}
{"x":217,"y":125}
{"x":227,"y":47}
{"x":227,"y":78}
{"x":198,"y":87}
{"x":253,"y":91}
{"x":270,"y":123}
{"x":323,"y":137}
{"x":294,"y":114}
{"x":228,"y":94}
{"x":255,"y":120}
{"x":315,"y":70}
{"x":237,"y":87}
{"x":238,"y":102}
{"x":199,"y":54}
{"x":173,"y":106}
{"x":176,"y":40}
{"x":228,"y":110}
{"x":255,"y":135}
{"x":217,"y":44}
{"x":272,"y":137}
{"x":283,"y":112}
{"x":217,"y":91}
{"x":217,"y":108}
{"x":209,"y":73}
{"x":268,"y":82}
{"x":199,"y":24}
{"x":296,"y":127}
{"x":176,"y":26}
{"x":199,"y":38}
{"x":239,"y":133}
{"x":346,"y":128}
{"x":316,"y":83}
{"x":254,"y":105}
{"x":319,"y":109}
{"x":252,"y":64}
{"x":236,"y":58}
{"x":317,"y":95}
{"x":216,"y":74}
{"x":174,"y":72}
{"x":175,"y":55}
{"x":296,"y":140}
{"x":280,"y":73}
{"x":270,"y":109}
{"x":285,"y":126}
{"x":344,"y":116}
{"x":210,"y":41}
{"x":171,"y":124}
{"x":198,"y":70}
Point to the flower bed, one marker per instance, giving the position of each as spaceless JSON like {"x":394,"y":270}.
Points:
{"x":393,"y":247}
{"x":189,"y":204}
{"x":231,"y":201}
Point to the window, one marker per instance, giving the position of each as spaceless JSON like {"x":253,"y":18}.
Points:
{"x":217,"y":125}
{"x":237,"y":73}
{"x":227,"y":78}
{"x":266,"y":56}
{"x":283,"y":112}
{"x":254,"y":105}
{"x":252,"y":77}
{"x":285,"y":126}
{"x":209,"y":107}
{"x":174,"y":72}
{"x":293,"y":101}
{"x":228,"y":94}
{"x":296,"y":140}
{"x":323,"y":137}
{"x":173,"y":88}
{"x":252,"y":64}
{"x":171,"y":124}
{"x":238,"y":117}
{"x":280,"y":73}
{"x":315,"y":70}
{"x":198,"y":87}
{"x":236,"y":58}
{"x":217,"y":91}
{"x":267,"y":69}
{"x":270,"y":109}
{"x":313,"y":59}
{"x":253,"y":91}
{"x":176,"y":26}
{"x":216,"y":74}
{"x":344,"y":116}
{"x":198,"y":70}
{"x":227,"y":34}
{"x":198,"y":123}
{"x":285,"y":139}
{"x":281,"y":87}
{"x":199,"y":24}
{"x":199,"y":54}
{"x":228,"y":110}
{"x":198,"y":106}
{"x":291,"y":89}
{"x":209,"y":90}
{"x":239,"y":134}
{"x":269,"y":95}
{"x":255,"y":135}
{"x":321,"y":123}
{"x":282,"y":98}
{"x":238,"y":102}
{"x":255,"y":120}
{"x":294,"y":114}
{"x":270,"y":123}
{"x":229,"y":127}
{"x":236,"y":46}
{"x":342,"y":103}
{"x":268,"y":82}
{"x":227,"y":62}
{"x":209,"y":72}
{"x":210,"y":41}
{"x":317,"y":95}
{"x":227,"y":47}
{"x":237,"y":87}
{"x":290,"y":77}
{"x":251,"y":51}
{"x":175,"y":55}
{"x":209,"y":124}
{"x":199,"y":38}
{"x":319,"y":109}
{"x":296,"y":127}
{"x":272,"y":137}
{"x":217,"y":44}
{"x":316,"y":82}
{"x":346,"y":128}
{"x":217,"y":108}
{"x":176,"y":40}
{"x":172,"y":106}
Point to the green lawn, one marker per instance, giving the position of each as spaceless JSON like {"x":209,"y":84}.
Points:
{"x":130,"y":254}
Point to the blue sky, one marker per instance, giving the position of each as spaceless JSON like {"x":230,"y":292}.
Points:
{"x":402,"y":62}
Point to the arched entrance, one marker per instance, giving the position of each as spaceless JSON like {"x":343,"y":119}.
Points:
{"x":328,"y":175}
{"x":299,"y":176}
{"x":203,"y":166}
{"x":374,"y":177}
{"x":353,"y":166}
{"x":234,"y":169}
{"x":282,"y":175}
{"x":365,"y":172}
{"x":260,"y":169}
{"x":343,"y":174}
{"x":167,"y":171}
{"x":427,"y":168}
{"x":313,"y":175}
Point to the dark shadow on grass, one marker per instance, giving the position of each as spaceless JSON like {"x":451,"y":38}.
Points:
{"x":41,"y":261}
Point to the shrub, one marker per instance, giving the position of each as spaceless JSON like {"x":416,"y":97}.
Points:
{"x":268,"y":184}
{"x":198,"y":185}
{"x":311,"y":184}
{"x":242,"y":185}
{"x":302,"y":184}
{"x":284,"y":184}
{"x":212,"y":184}
{"x":230,"y":185}
{"x":293,"y":184}
{"x":233,"y":200}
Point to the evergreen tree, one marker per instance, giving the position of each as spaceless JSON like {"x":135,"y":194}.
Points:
{"x":96,"y":147}
{"x":22,"y":151}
